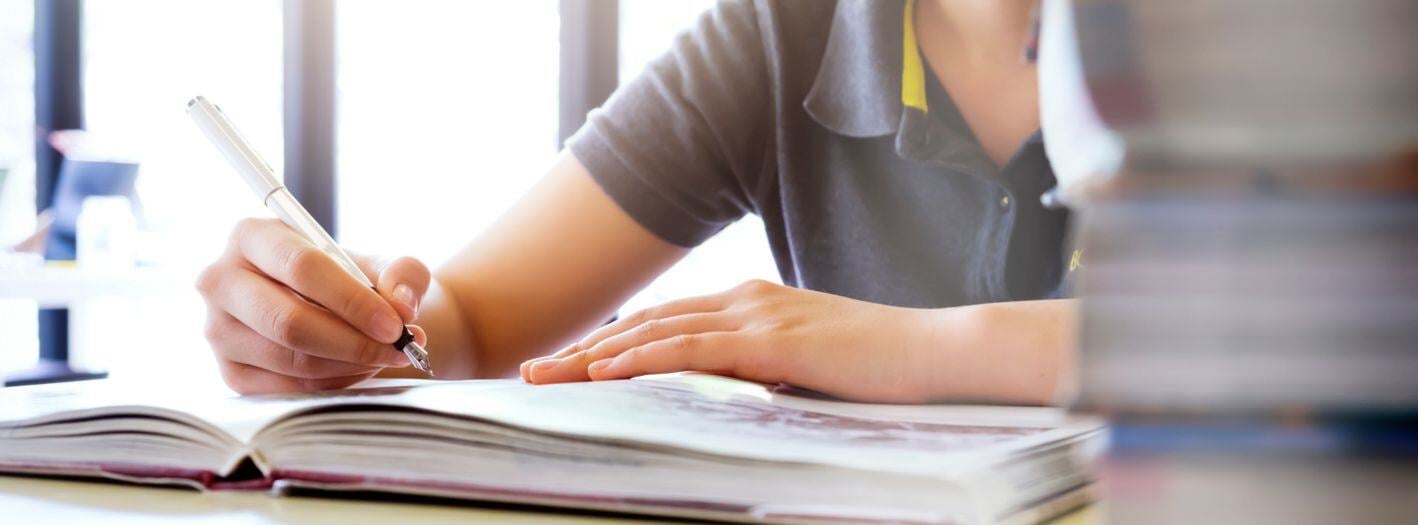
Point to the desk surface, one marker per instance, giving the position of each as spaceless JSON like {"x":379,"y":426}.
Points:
{"x":63,"y":501}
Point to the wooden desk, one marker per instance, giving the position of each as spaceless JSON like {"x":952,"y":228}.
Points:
{"x":64,"y":501}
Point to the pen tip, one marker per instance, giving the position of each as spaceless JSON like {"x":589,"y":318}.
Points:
{"x":418,"y":357}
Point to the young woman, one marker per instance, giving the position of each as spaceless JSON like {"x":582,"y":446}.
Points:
{"x":890,"y":147}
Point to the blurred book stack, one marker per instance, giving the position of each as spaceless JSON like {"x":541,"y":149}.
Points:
{"x":1250,"y":278}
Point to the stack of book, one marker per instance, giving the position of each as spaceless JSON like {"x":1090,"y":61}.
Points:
{"x":1249,"y":294}
{"x":1257,"y":357}
{"x":1256,"y":303}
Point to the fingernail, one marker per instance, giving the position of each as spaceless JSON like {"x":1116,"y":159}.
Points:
{"x":526,"y":366}
{"x":399,"y":360}
{"x":386,"y":328}
{"x":598,"y":365}
{"x":404,"y":294}
{"x":545,"y":365}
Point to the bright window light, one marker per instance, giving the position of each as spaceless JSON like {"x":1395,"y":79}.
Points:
{"x":143,"y":60}
{"x":447,"y":114}
{"x":17,"y":317}
{"x":740,"y":252}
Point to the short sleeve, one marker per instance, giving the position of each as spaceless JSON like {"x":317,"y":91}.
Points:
{"x":680,"y":147}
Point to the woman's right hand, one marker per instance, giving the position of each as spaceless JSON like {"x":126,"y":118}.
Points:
{"x":282,"y":316}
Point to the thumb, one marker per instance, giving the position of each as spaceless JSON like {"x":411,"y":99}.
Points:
{"x":402,"y":282}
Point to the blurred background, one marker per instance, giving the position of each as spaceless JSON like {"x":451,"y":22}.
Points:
{"x":1244,"y":177}
{"x":457,"y":106}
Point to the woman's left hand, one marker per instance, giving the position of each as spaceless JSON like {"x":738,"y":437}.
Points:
{"x":768,"y":333}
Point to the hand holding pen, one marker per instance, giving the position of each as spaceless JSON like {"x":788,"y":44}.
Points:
{"x":290,"y":309}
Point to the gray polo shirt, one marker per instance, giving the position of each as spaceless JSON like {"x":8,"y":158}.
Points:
{"x":818,"y":117}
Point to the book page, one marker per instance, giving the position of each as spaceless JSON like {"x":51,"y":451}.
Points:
{"x":696,"y":412}
{"x":214,"y":409}
{"x":721,"y":416}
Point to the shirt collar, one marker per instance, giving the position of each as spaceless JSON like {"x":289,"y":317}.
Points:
{"x":871,"y":55}
{"x":872,"y":82}
{"x":858,"y":82}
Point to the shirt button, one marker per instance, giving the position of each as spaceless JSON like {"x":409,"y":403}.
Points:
{"x":1004,"y":201}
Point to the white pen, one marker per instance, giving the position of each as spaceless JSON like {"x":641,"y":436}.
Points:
{"x":275,"y":196}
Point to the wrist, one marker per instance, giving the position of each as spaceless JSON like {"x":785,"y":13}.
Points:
{"x":954,"y":363}
{"x":1016,"y":353}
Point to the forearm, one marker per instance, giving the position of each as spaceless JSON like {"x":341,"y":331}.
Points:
{"x":1016,"y":352}
{"x":486,"y":331}
{"x":556,"y":266}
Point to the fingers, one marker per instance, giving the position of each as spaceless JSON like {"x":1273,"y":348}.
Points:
{"x":526,"y":367}
{"x":691,"y":305}
{"x":403,"y":282}
{"x":291,"y":322}
{"x":246,"y":380}
{"x":701,"y":304}
{"x":573,"y":367}
{"x":233,"y":341}
{"x":717,"y":352}
{"x":285,"y":316}
{"x":420,"y":336}
{"x":287,"y":257}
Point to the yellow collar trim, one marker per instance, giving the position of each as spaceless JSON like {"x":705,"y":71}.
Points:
{"x":913,"y":76}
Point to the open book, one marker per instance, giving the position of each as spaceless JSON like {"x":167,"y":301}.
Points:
{"x":686,"y":445}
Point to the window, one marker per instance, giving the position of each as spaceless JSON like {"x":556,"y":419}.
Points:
{"x":740,"y":252}
{"x":16,"y":89}
{"x":447,"y":109}
{"x":17,"y":317}
{"x":143,"y":60}
{"x":648,"y":27}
